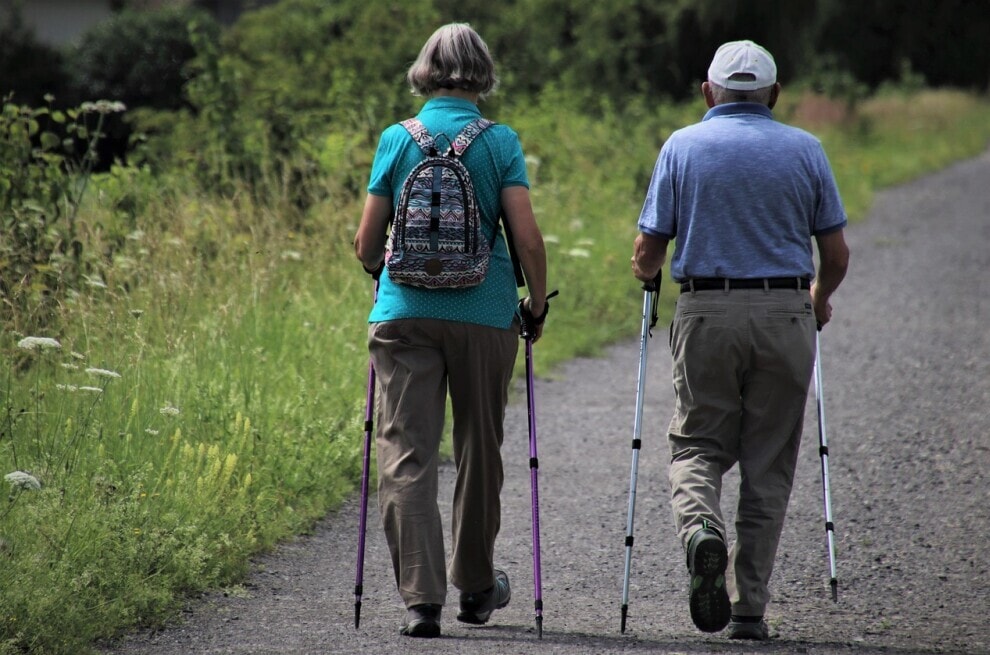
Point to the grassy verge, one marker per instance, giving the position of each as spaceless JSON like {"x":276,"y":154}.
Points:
{"x":205,"y":398}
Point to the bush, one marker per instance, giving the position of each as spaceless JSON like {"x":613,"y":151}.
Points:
{"x":292,"y":89}
{"x":43,"y":253}
{"x":139,"y":58}
{"x":28,"y":69}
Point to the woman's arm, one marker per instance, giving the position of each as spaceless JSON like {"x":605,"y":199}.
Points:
{"x":528,"y":242}
{"x":369,"y":242}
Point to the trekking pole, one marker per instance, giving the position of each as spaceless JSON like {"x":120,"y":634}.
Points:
{"x":651,"y":297}
{"x":369,"y":419}
{"x":528,"y":332}
{"x":823,"y":452}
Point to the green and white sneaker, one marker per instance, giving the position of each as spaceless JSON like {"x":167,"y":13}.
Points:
{"x":707,"y":560}
{"x":476,"y":608}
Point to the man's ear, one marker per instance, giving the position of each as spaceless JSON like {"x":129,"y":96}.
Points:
{"x":706,"y":90}
{"x":774,"y":94}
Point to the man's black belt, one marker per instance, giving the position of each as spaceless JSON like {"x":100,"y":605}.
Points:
{"x":726,"y":284}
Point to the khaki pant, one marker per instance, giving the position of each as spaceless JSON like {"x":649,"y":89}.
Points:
{"x":742,"y":362}
{"x":417,"y":362}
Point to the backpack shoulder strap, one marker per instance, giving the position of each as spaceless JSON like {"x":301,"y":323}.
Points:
{"x":468,"y":135}
{"x":460,"y":144}
{"x":420,"y":135}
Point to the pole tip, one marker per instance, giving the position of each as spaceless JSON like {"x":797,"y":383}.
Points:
{"x":357,"y":614}
{"x":539,"y":627}
{"x":625,"y":611}
{"x":835,"y":590}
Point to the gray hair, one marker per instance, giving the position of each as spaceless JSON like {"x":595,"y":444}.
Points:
{"x":455,"y":57}
{"x":722,"y":95}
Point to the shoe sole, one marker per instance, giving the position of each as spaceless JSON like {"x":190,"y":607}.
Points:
{"x":710,"y":608}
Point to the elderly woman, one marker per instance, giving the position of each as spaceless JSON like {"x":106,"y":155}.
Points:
{"x":428,"y":342}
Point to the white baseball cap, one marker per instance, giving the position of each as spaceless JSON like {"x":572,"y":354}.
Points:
{"x":742,"y":66}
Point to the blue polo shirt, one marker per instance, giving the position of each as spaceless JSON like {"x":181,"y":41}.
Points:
{"x":495,"y":161}
{"x":742,"y":195}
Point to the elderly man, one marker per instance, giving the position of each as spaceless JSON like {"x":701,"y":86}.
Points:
{"x":744,"y":197}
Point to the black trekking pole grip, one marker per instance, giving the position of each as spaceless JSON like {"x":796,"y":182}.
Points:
{"x":527,"y":322}
{"x":654,"y":285}
{"x":652,"y":289}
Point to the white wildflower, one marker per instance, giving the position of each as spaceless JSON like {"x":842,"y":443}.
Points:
{"x":70,"y":366}
{"x":137,"y":313}
{"x":168,"y":410}
{"x":103,"y":373}
{"x":103,"y":107}
{"x":77,"y":355}
{"x":92,"y":389}
{"x":151,"y":431}
{"x":586,"y":242}
{"x":294,"y":255}
{"x":38,"y":343}
{"x":22,"y":480}
{"x":551,"y":238}
{"x":66,"y":387}
{"x":579,"y":252}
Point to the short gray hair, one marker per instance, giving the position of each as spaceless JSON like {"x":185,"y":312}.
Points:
{"x":722,"y":95}
{"x":455,"y":57}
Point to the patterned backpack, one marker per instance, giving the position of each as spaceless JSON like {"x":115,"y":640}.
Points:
{"x":436,"y":239}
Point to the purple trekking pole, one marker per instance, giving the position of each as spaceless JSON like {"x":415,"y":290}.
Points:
{"x":369,"y":420}
{"x":528,"y":332}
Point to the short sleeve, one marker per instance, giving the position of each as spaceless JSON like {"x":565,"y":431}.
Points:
{"x":511,"y":152}
{"x":657,"y":217}
{"x":382,"y":176}
{"x":831,"y":214}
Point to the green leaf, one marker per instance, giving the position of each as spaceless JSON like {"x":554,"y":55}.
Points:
{"x":49,"y":140}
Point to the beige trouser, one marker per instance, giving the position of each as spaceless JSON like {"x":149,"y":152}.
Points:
{"x":417,"y":361}
{"x":742,"y":363}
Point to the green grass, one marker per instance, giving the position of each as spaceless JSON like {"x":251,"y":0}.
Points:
{"x":237,"y":416}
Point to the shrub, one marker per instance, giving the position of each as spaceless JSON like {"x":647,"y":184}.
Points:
{"x":28,"y":69}
{"x":43,"y":253}
{"x":139,"y":58}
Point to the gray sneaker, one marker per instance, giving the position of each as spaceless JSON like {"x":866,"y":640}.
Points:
{"x":476,"y":608}
{"x":751,"y":629}
{"x":707,"y":560}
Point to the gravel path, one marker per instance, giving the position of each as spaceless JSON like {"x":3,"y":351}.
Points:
{"x":906,"y":362}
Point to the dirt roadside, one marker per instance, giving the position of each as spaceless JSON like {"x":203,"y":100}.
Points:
{"x":906,"y":363}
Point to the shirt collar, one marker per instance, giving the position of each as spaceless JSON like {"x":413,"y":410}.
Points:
{"x":451,"y":102}
{"x":736,"y":108}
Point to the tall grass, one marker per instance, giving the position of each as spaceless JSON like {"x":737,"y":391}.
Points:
{"x":223,"y":405}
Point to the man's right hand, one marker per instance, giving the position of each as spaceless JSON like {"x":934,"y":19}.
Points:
{"x":821,"y":305}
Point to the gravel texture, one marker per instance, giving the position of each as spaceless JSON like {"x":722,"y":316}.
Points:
{"x":906,"y":363}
